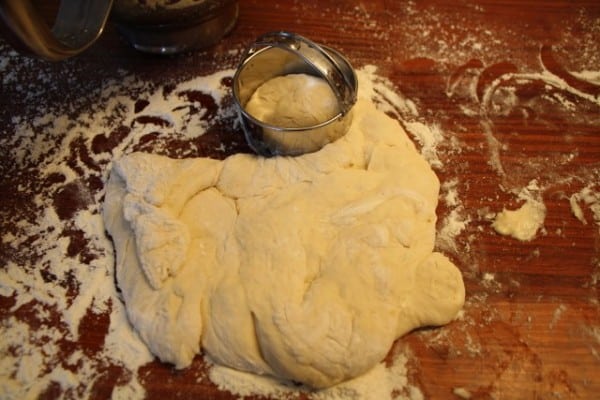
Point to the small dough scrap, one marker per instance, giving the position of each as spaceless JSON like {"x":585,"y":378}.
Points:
{"x":522,"y":223}
{"x":304,"y":268}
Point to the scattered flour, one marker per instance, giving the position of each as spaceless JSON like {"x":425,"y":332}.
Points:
{"x":456,"y":221}
{"x":461,"y":393}
{"x":452,"y":226}
{"x":429,"y":137}
{"x":589,"y":196}
{"x":51,"y":275}
{"x":556,"y":316}
{"x":488,"y":281}
{"x":384,"y":382}
{"x":382,"y":91}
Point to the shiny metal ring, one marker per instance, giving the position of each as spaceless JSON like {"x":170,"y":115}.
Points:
{"x":282,"y":53}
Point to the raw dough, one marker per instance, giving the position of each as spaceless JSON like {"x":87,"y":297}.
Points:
{"x":305,"y":268}
{"x":522,"y":223}
{"x":294,"y":100}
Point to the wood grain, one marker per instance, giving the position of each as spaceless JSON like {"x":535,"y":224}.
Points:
{"x":531,"y":332}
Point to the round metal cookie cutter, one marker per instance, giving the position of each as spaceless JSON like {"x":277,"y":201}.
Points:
{"x":282,"y":53}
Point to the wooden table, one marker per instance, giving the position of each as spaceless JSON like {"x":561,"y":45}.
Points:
{"x":490,"y":76}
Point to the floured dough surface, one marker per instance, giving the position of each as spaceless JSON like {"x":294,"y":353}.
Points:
{"x":304,"y":268}
{"x":294,"y":100}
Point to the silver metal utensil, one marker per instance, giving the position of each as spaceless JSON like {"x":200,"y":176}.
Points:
{"x":282,"y":53}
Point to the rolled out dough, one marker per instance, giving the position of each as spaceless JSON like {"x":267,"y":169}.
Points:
{"x":305,"y":268}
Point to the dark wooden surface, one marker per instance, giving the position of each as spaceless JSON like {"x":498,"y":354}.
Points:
{"x":533,"y":332}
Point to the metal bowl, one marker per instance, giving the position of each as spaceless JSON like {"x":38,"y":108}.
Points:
{"x":174,"y":27}
{"x":282,"y":53}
